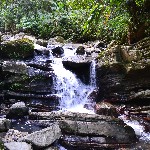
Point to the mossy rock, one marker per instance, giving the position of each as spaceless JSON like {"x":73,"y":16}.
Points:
{"x":17,"y":49}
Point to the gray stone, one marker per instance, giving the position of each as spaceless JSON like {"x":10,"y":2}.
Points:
{"x":17,"y":146}
{"x":90,"y":125}
{"x":58,"y":50}
{"x":18,"y":109}
{"x":58,"y":115}
{"x":14,"y":136}
{"x":44,"y":137}
{"x":41,"y":49}
{"x":15,"y":67}
{"x":119,"y":132}
{"x":4,"y":124}
{"x":77,"y":61}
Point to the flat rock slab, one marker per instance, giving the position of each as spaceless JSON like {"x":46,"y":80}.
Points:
{"x":77,"y":61}
{"x":45,"y":137}
{"x":17,"y":146}
{"x":67,"y":115}
{"x":113,"y":131}
{"x":90,"y":125}
{"x":15,"y":67}
{"x":89,"y":143}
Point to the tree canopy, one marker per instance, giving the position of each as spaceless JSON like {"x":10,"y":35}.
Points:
{"x":80,"y":20}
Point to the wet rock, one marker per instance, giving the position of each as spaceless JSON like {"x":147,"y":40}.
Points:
{"x":57,"y":51}
{"x":80,"y":50}
{"x":104,"y":108}
{"x":4,"y":124}
{"x":41,"y":50}
{"x":90,"y":103}
{"x":89,"y":142}
{"x":42,"y":108}
{"x":42,"y":42}
{"x":15,"y":67}
{"x":44,"y":66}
{"x":58,"y":115}
{"x":36,"y":96}
{"x":77,"y":61}
{"x":118,"y":132}
{"x":17,"y":146}
{"x":80,"y":65}
{"x":22,"y":48}
{"x":100,"y":44}
{"x":123,"y":73}
{"x":44,"y":137}
{"x":90,"y":125}
{"x":93,"y":95}
{"x":18,"y":110}
{"x":14,"y":136}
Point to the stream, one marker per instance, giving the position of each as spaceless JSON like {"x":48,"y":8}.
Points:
{"x":73,"y":94}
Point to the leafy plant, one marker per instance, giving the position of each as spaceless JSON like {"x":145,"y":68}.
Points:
{"x":79,"y":20}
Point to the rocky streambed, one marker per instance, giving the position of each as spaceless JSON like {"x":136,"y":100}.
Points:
{"x":45,"y":84}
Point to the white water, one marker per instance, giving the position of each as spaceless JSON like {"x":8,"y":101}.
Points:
{"x":93,"y":74}
{"x":70,"y":89}
{"x":139,"y":129}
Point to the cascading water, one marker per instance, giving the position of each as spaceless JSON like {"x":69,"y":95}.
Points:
{"x":72,"y":92}
{"x":93,"y":74}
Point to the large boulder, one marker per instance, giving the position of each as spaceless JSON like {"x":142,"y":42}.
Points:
{"x":18,"y":109}
{"x":4,"y":124}
{"x":44,"y":137}
{"x":41,"y":50}
{"x":57,"y":51}
{"x":77,"y":128}
{"x":80,"y":50}
{"x":123,"y":73}
{"x":80,"y":65}
{"x":17,"y":146}
{"x":26,"y":79}
{"x":77,"y":61}
{"x":17,"y":49}
{"x":118,"y":131}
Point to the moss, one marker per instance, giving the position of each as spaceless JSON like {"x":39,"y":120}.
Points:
{"x":1,"y":146}
{"x":17,"y":49}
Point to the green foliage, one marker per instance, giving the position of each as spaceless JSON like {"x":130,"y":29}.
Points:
{"x":20,"y":48}
{"x":75,"y":19}
{"x":1,"y":146}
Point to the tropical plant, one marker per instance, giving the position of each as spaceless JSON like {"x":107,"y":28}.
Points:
{"x":79,"y":20}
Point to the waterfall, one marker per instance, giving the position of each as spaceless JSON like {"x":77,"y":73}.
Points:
{"x":72,"y":92}
{"x":93,"y":74}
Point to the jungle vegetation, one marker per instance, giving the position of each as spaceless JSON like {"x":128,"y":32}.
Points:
{"x":126,"y":21}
